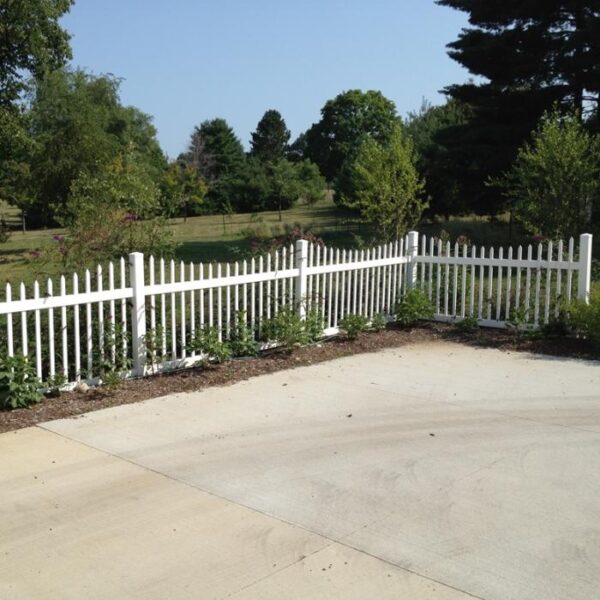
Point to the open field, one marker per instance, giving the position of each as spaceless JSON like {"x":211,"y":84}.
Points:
{"x":221,"y":239}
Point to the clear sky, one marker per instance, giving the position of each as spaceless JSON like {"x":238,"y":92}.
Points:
{"x":184,"y":61}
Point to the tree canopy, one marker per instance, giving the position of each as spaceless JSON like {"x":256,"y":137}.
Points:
{"x":78,"y":126}
{"x":345,"y":121}
{"x":382,"y":184}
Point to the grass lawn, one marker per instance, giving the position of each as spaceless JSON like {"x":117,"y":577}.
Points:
{"x":214,"y":238}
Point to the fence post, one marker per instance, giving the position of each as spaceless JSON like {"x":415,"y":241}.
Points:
{"x":138,"y":313}
{"x":301,"y":280}
{"x":585,"y":267}
{"x":412,"y":251}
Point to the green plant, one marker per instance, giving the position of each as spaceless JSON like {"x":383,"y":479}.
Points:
{"x":412,"y":307}
{"x":289,"y":330}
{"x":353,"y":324}
{"x":111,"y":378}
{"x":241,"y":339}
{"x":584,"y":319}
{"x":518,"y":320}
{"x":313,"y":325}
{"x":468,"y":324}
{"x":378,"y":322}
{"x":54,"y":384}
{"x":206,"y":342}
{"x":19,"y":386}
{"x":153,"y":340}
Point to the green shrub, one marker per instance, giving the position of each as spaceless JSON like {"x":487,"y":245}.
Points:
{"x":584,"y":319}
{"x":468,"y":324}
{"x":289,"y":330}
{"x":314,"y":326}
{"x":206,"y":341}
{"x":352,"y":325}
{"x":413,"y":306}
{"x":19,"y":386}
{"x":378,"y":323}
{"x":241,"y":339}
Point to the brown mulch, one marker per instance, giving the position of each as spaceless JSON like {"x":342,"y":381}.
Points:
{"x":70,"y":404}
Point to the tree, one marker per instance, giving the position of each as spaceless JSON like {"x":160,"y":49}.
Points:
{"x":214,"y":150}
{"x":123,"y":185}
{"x":428,"y":127}
{"x":218,"y":156}
{"x":296,"y":151}
{"x":271,"y":138}
{"x":32,"y":43}
{"x":531,"y":56}
{"x":183,"y":190}
{"x":78,"y":126}
{"x":381,"y":183}
{"x":345,"y":121}
{"x":554,"y":183}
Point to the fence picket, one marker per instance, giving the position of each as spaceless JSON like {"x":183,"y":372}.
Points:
{"x":51,"y":354}
{"x":64,"y":331}
{"x":9,"y":323}
{"x":76,"y":330}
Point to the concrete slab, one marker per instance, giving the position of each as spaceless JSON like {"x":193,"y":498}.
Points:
{"x":470,"y":470}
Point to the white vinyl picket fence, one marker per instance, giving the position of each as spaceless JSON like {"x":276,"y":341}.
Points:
{"x":107,"y":320}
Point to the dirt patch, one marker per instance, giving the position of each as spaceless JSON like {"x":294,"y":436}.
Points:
{"x":194,"y":379}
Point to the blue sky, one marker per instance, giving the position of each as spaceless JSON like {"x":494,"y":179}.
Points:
{"x":185,"y":61}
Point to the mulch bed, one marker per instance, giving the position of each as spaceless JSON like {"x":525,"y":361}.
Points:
{"x":70,"y":404}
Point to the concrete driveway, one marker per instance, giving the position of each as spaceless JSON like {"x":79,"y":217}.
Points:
{"x":432,"y":471}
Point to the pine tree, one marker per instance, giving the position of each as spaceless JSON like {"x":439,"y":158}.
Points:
{"x":532,"y":55}
{"x":270,"y":140}
{"x":215,"y":150}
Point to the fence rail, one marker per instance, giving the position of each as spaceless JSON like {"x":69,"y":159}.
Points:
{"x":104,"y":320}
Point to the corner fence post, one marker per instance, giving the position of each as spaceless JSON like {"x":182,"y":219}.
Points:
{"x":412,"y":251}
{"x":301,"y":257}
{"x":138,"y":313}
{"x":584,"y":283}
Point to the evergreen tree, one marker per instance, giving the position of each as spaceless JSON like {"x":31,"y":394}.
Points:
{"x":219,"y":157}
{"x":270,"y":140}
{"x":532,"y":55}
{"x":427,"y":127}
{"x":215,"y":150}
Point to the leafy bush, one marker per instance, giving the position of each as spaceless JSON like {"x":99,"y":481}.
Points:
{"x":378,"y":322}
{"x":241,"y":340}
{"x":206,"y":341}
{"x":584,"y":319}
{"x":353,"y":324}
{"x":19,"y":386}
{"x":412,"y":307}
{"x":289,"y":330}
{"x":313,"y":325}
{"x":467,"y":325}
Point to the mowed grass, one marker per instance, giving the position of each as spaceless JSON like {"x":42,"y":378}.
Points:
{"x":199,"y":239}
{"x":225,"y":239}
